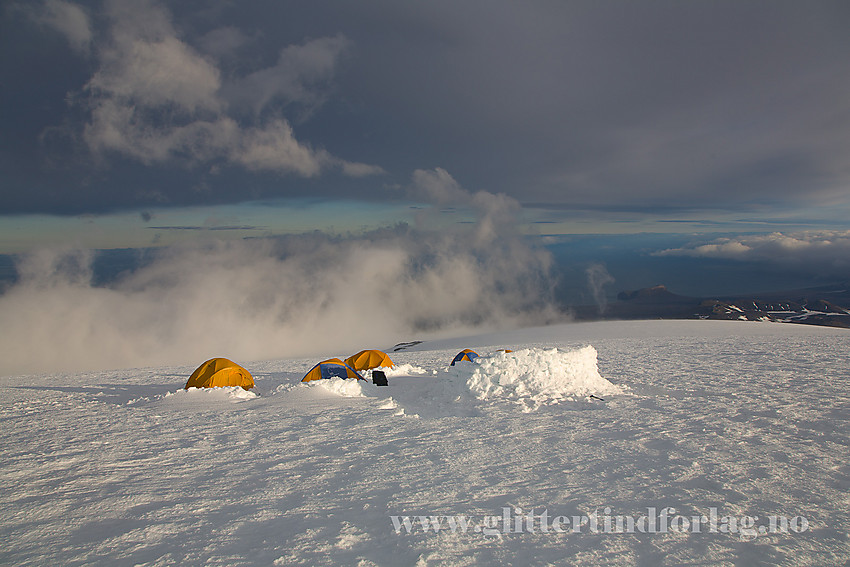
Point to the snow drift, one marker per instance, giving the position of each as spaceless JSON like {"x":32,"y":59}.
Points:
{"x":232,"y":394}
{"x":346,"y":388}
{"x":535,"y":377}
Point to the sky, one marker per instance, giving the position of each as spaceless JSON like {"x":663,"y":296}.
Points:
{"x":133,"y":123}
{"x":192,"y":179}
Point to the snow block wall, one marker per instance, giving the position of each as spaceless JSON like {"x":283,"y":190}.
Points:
{"x":535,"y":376}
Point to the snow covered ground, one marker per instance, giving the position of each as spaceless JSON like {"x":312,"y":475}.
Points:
{"x":734,"y":421}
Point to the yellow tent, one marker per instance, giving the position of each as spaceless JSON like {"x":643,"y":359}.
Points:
{"x":218,"y":372}
{"x":368,"y":359}
{"x":331,"y":368}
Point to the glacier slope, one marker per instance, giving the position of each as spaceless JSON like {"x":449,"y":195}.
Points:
{"x":751,"y":419}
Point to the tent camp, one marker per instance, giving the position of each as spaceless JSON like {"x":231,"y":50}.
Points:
{"x":368,"y":359}
{"x":465,"y":354}
{"x":331,"y":368}
{"x":220,"y":372}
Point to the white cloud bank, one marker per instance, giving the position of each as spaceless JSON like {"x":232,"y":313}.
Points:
{"x":251,"y":300}
{"x":825,"y":251}
{"x":156,"y":98}
{"x":284,"y":297}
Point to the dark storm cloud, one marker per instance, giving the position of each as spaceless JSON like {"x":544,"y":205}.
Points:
{"x":637,"y":105}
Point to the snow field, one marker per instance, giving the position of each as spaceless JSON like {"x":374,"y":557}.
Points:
{"x":120,"y":467}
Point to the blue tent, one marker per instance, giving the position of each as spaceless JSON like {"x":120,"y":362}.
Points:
{"x":331,"y":368}
{"x":465,"y":354}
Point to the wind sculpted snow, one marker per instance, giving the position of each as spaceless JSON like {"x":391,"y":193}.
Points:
{"x":746,"y":419}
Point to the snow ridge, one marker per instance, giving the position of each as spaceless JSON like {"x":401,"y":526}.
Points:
{"x":233,"y":394}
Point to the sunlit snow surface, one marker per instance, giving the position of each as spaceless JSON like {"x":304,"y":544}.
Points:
{"x":123,"y":467}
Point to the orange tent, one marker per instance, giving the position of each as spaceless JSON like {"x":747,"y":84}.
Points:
{"x":368,"y":359}
{"x":219,"y":372}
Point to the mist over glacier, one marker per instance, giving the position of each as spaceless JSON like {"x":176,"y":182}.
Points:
{"x":272,"y":297}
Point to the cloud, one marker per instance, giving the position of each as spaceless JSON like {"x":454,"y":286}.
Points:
{"x":295,"y":78}
{"x":649,"y":104}
{"x":437,"y":187}
{"x":146,"y":64}
{"x":274,"y":148}
{"x":496,"y":214}
{"x":827,"y":252}
{"x":688,"y":105}
{"x":352,"y":169}
{"x":157,"y":99}
{"x":308,"y":295}
{"x":223,"y":42}
{"x":597,"y":278}
{"x":721,"y":248}
{"x":69,"y":19}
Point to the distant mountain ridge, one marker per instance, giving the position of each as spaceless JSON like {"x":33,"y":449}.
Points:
{"x":825,"y":305}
